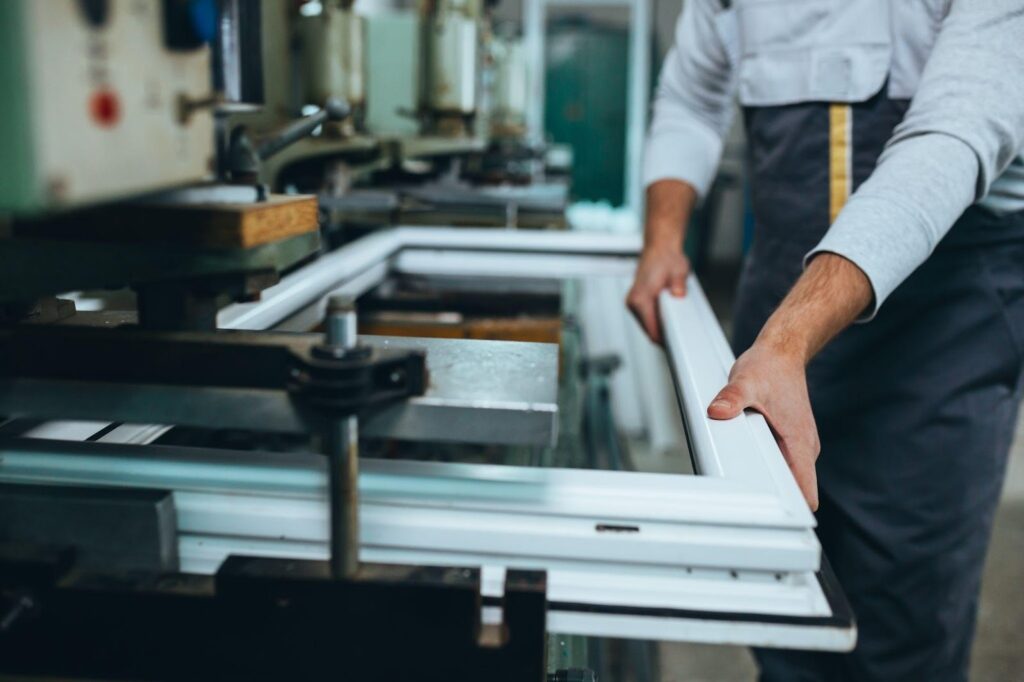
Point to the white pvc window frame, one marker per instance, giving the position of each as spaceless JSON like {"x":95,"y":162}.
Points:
{"x":628,"y":554}
{"x":738,"y":458}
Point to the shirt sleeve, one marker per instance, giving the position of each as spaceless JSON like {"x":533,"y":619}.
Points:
{"x":964,"y":127}
{"x":693,"y":106}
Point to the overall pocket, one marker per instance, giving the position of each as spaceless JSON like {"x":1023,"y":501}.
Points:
{"x":795,"y":51}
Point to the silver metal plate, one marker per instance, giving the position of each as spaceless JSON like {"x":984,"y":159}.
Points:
{"x":490,"y":392}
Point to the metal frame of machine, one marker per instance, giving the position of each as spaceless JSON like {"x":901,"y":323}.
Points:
{"x":725,"y":556}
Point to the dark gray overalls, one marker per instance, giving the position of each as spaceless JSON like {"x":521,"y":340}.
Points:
{"x":915,"y":409}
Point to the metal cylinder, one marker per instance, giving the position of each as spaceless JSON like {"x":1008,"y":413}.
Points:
{"x":451,"y":57}
{"x":332,"y":46}
{"x":342,"y":327}
{"x":238,"y":52}
{"x":511,"y":88}
{"x":342,"y":446}
{"x":343,"y":473}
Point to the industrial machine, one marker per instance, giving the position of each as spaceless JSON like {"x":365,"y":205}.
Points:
{"x":232,"y":449}
{"x":435,"y":128}
{"x":86,"y":81}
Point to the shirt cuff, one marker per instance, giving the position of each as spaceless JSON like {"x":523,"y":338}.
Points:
{"x":863,"y":234}
{"x":687,"y":152}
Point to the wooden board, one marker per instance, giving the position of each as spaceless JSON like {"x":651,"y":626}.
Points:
{"x":533,"y":329}
{"x":210,"y":226}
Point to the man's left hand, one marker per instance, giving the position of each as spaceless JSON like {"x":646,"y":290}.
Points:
{"x":773,"y":382}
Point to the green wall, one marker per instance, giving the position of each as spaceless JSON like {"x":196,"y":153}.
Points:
{"x":585,"y":103}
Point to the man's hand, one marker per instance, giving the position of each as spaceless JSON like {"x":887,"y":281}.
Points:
{"x":662,"y":264}
{"x":774,"y":383}
{"x":771,"y":377}
{"x":659,"y":269}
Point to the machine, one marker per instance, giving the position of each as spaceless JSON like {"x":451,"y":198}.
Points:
{"x":233,"y":449}
{"x":435,"y":101}
{"x":91,"y":80}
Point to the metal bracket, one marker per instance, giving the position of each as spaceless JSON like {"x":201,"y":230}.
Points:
{"x":282,"y":369}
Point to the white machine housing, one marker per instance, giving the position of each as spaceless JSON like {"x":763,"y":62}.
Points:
{"x":96,"y":109}
{"x":452,"y":57}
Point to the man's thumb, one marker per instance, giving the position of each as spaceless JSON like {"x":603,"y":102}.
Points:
{"x":729,"y":403}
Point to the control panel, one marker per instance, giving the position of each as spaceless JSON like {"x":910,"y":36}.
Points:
{"x":104,"y":99}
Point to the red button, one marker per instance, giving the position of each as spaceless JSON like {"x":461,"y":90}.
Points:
{"x":105,"y":108}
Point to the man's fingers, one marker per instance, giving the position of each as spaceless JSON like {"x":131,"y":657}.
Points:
{"x":800,"y":456}
{"x":677,"y":284}
{"x":649,"y":313}
{"x":729,"y":403}
{"x":656,"y":272}
{"x":806,"y":479}
{"x":810,"y":491}
{"x":646,"y":312}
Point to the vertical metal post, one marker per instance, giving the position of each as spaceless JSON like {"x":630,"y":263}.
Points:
{"x":534,"y":29}
{"x":637,"y":102}
{"x":342,"y":446}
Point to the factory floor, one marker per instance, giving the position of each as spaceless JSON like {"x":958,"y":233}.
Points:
{"x":998,"y":652}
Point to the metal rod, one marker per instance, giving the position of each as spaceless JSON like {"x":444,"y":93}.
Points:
{"x":342,"y":330}
{"x":343,"y":483}
{"x":343,"y":453}
{"x":335,"y":109}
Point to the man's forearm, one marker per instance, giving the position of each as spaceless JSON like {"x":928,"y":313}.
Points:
{"x":669,"y":205}
{"x":828,"y":297}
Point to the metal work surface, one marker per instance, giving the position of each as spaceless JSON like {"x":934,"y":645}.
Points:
{"x":477,"y":392}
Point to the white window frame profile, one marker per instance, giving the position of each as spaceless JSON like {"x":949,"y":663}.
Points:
{"x":725,"y":556}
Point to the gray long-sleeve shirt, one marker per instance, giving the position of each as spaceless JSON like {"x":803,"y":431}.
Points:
{"x":961,"y":141}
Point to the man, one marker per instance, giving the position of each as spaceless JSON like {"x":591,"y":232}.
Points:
{"x":885,"y":144}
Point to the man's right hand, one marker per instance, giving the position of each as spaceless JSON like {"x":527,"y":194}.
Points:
{"x":662,"y":263}
{"x":660,"y":268}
